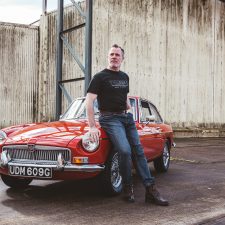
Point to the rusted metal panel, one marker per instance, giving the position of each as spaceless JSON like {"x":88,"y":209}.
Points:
{"x":18,"y":73}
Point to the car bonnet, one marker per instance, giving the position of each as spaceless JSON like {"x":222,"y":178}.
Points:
{"x":58,"y":133}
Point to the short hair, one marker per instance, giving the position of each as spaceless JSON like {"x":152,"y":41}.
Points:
{"x":117,"y":46}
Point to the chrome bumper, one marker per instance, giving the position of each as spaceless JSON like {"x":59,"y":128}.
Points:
{"x":5,"y":161}
{"x":67,"y":167}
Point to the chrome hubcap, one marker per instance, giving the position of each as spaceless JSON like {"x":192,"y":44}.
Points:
{"x":116,"y":178}
{"x":166,"y":156}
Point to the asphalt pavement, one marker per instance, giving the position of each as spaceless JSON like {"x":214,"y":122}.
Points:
{"x":194,"y":185}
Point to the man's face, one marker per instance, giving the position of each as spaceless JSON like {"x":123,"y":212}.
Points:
{"x":115,"y":58}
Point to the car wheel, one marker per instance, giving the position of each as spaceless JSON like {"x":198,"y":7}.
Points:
{"x":111,"y":178}
{"x":15,"y":182}
{"x":162,"y":163}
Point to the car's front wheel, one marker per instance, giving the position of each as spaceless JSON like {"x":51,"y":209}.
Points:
{"x":15,"y":182}
{"x":162,"y":163}
{"x":111,"y":178}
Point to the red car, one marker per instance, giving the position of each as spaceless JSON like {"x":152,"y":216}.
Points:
{"x":62,"y":150}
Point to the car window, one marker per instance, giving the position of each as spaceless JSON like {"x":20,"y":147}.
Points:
{"x":83,"y":114}
{"x":133,"y":109}
{"x":73,"y":109}
{"x":154,"y":111}
{"x":78,"y":110}
{"x":144,"y":111}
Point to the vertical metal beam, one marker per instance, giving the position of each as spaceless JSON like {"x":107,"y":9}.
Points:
{"x":59,"y":51}
{"x":88,"y":44}
{"x":44,"y":7}
{"x":59,"y":59}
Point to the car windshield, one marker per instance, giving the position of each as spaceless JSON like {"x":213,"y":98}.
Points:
{"x":77,"y":110}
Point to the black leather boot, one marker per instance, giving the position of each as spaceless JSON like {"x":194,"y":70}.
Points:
{"x":153,"y":196}
{"x":129,"y":193}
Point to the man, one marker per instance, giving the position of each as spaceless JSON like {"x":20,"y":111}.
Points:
{"x":110,"y":87}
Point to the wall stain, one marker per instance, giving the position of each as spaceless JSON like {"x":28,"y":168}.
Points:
{"x":200,"y":15}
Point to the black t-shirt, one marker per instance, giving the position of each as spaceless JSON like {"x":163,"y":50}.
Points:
{"x":111,"y":88}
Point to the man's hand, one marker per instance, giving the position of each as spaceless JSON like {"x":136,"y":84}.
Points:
{"x":94,"y":134}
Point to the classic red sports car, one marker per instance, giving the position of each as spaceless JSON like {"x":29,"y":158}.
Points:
{"x":62,"y":150}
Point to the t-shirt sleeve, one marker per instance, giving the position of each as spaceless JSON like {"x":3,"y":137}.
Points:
{"x":94,"y":86}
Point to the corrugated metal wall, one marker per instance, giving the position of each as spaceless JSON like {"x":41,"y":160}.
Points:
{"x":18,"y":73}
{"x":175,"y":56}
{"x":48,"y":61}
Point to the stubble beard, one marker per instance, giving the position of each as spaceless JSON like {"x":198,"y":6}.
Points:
{"x":114,"y":67}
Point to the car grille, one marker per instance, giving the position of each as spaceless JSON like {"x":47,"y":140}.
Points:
{"x":37,"y":153}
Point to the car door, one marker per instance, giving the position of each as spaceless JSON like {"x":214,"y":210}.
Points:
{"x":150,"y":133}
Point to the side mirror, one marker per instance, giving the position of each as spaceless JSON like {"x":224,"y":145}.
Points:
{"x":150,"y":118}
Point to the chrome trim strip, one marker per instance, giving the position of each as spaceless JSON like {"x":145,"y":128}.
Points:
{"x":36,"y":147}
{"x":22,"y":152}
{"x":68,"y":167}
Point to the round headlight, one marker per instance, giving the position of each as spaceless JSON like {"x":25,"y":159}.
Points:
{"x":2,"y":135}
{"x":87,"y":144}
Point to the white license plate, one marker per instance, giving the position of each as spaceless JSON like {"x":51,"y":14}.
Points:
{"x":30,"y":171}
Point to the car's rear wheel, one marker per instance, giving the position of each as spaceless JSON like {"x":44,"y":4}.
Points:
{"x":162,"y":163}
{"x":15,"y":182}
{"x":111,"y":178}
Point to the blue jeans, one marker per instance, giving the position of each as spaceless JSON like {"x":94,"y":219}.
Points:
{"x":123,"y":134}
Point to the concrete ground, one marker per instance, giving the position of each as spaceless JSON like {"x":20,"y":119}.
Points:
{"x":194,"y":185}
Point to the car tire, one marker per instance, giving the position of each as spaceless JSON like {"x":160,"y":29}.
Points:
{"x":15,"y":182}
{"x":111,"y":179}
{"x":162,"y":163}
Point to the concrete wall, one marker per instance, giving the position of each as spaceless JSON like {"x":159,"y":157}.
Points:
{"x":175,"y":56}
